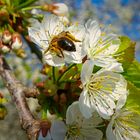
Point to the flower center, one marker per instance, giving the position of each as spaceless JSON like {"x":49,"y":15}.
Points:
{"x":94,"y":84}
{"x":73,"y":131}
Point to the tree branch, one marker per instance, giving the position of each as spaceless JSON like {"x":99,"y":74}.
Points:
{"x":30,"y":92}
{"x":18,"y":92}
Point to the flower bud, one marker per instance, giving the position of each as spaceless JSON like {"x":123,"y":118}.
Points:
{"x":4,"y":15}
{"x":63,"y":99}
{"x":16,"y":41}
{"x":20,"y":53}
{"x":1,"y":95}
{"x":59,"y":9}
{"x":44,"y":127}
{"x":40,"y":85}
{"x":56,"y":98}
{"x":5,"y":49}
{"x":6,"y":37}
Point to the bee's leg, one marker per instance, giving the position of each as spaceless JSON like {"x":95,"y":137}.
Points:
{"x":62,"y":55}
{"x":47,"y":50}
{"x":57,"y":51}
{"x":51,"y":46}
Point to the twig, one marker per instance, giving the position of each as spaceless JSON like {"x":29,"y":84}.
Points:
{"x":17,"y":90}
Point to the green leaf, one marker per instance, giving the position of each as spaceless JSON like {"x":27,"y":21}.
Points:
{"x":134,"y":95}
{"x":132,"y":74}
{"x":69,"y":73}
{"x":126,"y":52}
{"x":125,"y":42}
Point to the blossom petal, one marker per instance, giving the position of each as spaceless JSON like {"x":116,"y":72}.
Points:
{"x":38,"y":37}
{"x":86,"y":71}
{"x":121,"y":102}
{"x":94,"y":31}
{"x":58,"y":130}
{"x":109,"y":132}
{"x":94,"y":135}
{"x":84,"y":105}
{"x":78,"y":31}
{"x":73,"y":57}
{"x":52,"y":25}
{"x":86,"y":128}
{"x":72,"y":113}
{"x":109,"y":63}
{"x":53,"y":60}
{"x":114,"y":66}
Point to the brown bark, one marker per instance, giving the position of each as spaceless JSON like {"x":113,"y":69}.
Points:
{"x":18,"y":93}
{"x":30,"y":92}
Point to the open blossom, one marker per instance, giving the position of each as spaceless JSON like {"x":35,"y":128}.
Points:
{"x":79,"y":128}
{"x":124,"y":124}
{"x":47,"y":33}
{"x":100,"y":46}
{"x":101,"y":90}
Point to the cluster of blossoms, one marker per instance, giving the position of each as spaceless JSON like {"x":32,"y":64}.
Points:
{"x":9,"y":41}
{"x":100,"y":112}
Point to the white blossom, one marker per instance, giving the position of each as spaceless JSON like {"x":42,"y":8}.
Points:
{"x":101,"y":45}
{"x":80,"y":128}
{"x":43,"y":33}
{"x":101,"y":90}
{"x":124,"y":124}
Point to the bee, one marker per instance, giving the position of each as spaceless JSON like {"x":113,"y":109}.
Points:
{"x":63,"y":41}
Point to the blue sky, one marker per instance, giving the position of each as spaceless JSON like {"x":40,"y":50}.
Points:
{"x":133,"y":28}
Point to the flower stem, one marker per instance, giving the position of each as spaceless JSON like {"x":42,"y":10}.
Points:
{"x":65,"y":81}
{"x":44,"y":114}
{"x":25,"y":4}
{"x":31,"y":7}
{"x":53,"y":73}
{"x":60,"y":77}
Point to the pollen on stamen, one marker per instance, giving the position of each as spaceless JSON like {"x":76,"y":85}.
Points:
{"x":94,"y":84}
